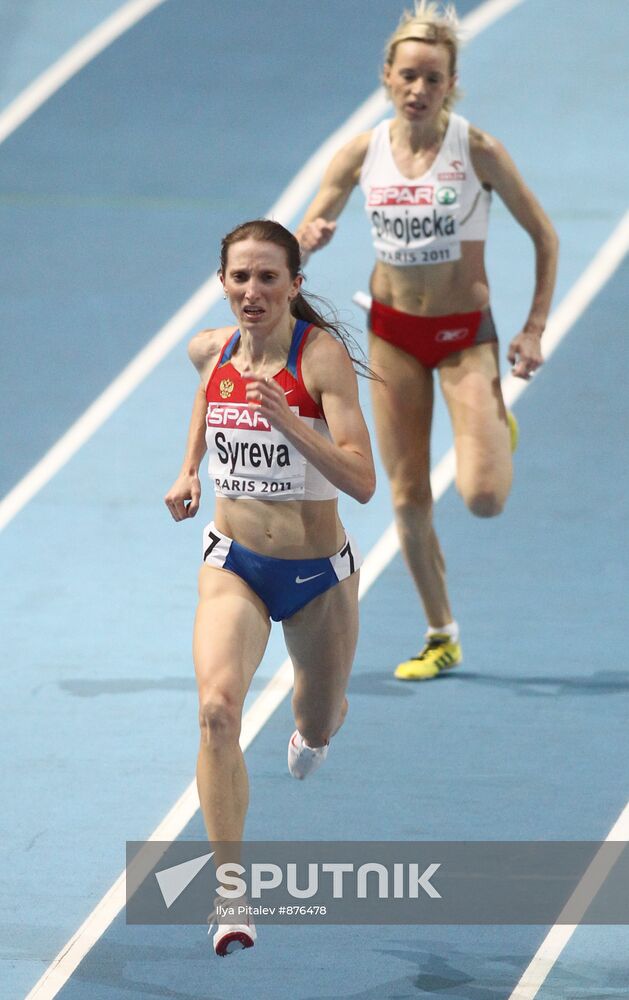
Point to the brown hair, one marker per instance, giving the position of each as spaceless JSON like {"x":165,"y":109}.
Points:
{"x":434,"y":23}
{"x":301,"y":307}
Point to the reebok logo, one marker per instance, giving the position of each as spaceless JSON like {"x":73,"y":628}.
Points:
{"x":446,"y":336}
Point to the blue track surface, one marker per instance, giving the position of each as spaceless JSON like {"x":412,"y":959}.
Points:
{"x":113,"y":198}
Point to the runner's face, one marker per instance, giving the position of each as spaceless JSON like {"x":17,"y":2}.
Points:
{"x":419,"y":80}
{"x":258,"y":284}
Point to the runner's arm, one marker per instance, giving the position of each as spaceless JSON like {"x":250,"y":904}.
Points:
{"x":184,"y":496}
{"x":341,"y":177}
{"x":496,"y":169}
{"x":346,"y":461}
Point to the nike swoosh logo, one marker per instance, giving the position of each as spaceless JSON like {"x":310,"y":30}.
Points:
{"x":288,"y":392}
{"x":298,"y":579}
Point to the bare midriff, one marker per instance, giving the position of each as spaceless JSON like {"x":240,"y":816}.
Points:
{"x":435,"y":289}
{"x":284,"y":529}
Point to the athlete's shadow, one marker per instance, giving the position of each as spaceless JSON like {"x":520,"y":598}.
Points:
{"x":470,"y":975}
{"x":92,"y":687}
{"x":163,"y":971}
{"x":436,"y":976}
{"x":601,"y":683}
{"x":378,"y":683}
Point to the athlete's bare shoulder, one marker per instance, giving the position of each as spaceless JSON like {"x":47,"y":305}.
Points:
{"x":489,"y":156}
{"x":205,"y":347}
{"x":319,"y":343}
{"x":324,"y":360}
{"x":481,"y":141}
{"x":357,"y":147}
{"x":351,"y":156}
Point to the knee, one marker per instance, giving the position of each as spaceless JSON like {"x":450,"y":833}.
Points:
{"x":413,"y":514}
{"x":411,"y":499}
{"x":219,"y":719}
{"x":485,"y":503}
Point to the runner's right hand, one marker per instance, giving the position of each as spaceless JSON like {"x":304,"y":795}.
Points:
{"x":316,"y":234}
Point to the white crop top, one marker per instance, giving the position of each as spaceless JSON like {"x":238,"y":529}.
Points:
{"x":425,"y":219}
{"x":247,"y":457}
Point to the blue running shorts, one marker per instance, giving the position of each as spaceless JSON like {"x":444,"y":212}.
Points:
{"x":285,"y":585}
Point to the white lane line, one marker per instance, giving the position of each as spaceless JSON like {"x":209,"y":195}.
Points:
{"x":570,"y":309}
{"x":485,"y":15}
{"x":192,"y":312}
{"x":558,"y":936}
{"x":52,"y":79}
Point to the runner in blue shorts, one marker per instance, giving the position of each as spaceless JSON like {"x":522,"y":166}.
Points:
{"x":278,"y":413}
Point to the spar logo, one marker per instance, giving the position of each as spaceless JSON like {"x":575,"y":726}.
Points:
{"x":446,"y":196}
{"x":235,"y":415}
{"x":402,"y":194}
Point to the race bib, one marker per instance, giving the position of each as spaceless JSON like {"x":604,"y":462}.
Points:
{"x":250,"y":458}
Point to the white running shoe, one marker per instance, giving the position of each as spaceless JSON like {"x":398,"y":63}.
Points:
{"x":302,"y":759}
{"x":232,"y":937}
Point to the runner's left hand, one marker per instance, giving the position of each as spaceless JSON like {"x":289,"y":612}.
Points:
{"x":525,"y":354}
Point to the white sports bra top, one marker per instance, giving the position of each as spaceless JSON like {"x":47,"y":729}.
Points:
{"x":425,"y":219}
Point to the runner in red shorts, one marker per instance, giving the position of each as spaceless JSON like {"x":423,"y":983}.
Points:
{"x":427,"y":176}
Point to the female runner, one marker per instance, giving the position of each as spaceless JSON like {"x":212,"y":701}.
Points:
{"x":278,"y":411}
{"x":427,"y":176}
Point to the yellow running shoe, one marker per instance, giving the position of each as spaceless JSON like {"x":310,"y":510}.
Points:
{"x":438,"y":655}
{"x":514,"y":430}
